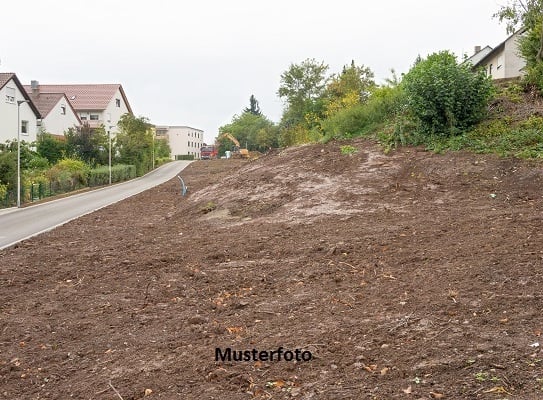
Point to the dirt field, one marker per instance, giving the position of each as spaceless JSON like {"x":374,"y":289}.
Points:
{"x":409,"y":276}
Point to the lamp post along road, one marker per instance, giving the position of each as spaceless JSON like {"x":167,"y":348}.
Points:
{"x":153,"y":154}
{"x":19,"y":102}
{"x":109,"y":137}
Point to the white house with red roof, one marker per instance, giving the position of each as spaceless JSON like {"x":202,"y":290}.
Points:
{"x":58,"y":114}
{"x":18,"y":114}
{"x":95,"y":104}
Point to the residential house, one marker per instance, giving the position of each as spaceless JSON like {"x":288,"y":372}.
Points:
{"x":95,"y":104}
{"x":183,"y":140}
{"x":478,"y":55}
{"x":18,"y":114}
{"x":58,"y":114}
{"x":504,"y":60}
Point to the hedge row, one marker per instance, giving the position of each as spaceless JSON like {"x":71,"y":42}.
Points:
{"x":120,"y":172}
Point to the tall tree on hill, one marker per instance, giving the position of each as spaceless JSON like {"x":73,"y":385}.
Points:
{"x":302,"y":87}
{"x":349,"y":88}
{"x":253,"y":108}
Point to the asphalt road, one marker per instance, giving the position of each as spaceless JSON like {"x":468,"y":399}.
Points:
{"x":17,"y":224}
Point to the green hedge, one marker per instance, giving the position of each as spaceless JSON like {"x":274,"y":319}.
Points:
{"x":184,"y":157}
{"x":161,"y":161}
{"x":120,"y":172}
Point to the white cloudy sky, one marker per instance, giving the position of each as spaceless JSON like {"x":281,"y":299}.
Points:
{"x":197,"y":62}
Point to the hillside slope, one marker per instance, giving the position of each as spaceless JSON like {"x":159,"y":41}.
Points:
{"x":408,"y":275}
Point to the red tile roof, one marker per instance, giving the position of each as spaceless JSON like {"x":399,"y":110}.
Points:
{"x":5,"y":77}
{"x":46,"y":101}
{"x":93,"y":97}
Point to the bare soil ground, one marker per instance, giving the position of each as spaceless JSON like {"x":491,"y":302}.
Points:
{"x":405,"y":276}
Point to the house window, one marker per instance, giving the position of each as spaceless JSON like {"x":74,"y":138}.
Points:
{"x":117,"y":102}
{"x":10,"y":95}
{"x":490,"y":70}
{"x":63,"y":110}
{"x":83,"y":117}
{"x":94,"y":117}
{"x":24,"y":127}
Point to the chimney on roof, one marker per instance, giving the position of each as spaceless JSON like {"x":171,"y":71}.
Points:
{"x":477,"y":49}
{"x":35,"y":86}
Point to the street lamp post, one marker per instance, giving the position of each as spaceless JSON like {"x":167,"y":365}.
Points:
{"x":109,"y":140}
{"x":153,"y":135}
{"x":19,"y":102}
{"x":109,"y":137}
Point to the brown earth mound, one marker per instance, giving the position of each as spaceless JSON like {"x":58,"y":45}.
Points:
{"x":410,"y":276}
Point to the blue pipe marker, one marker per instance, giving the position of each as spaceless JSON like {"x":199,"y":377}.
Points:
{"x":184,"y":188}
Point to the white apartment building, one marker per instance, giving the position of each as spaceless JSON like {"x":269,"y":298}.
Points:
{"x":183,"y":140}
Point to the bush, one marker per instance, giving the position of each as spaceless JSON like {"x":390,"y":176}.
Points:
{"x":8,"y":169}
{"x":383,"y":103}
{"x":38,"y":163}
{"x":68,"y":174}
{"x":3,"y":193}
{"x":295,"y":135}
{"x":184,"y":157}
{"x":161,"y":161}
{"x":445,"y":97}
{"x":534,"y":78}
{"x":50,"y":147}
{"x":119,"y":173}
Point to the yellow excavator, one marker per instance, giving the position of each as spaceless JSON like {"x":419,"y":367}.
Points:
{"x":237,"y":151}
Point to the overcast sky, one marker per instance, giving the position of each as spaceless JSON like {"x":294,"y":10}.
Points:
{"x":196,"y":63}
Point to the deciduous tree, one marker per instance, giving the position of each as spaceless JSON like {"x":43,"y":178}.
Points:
{"x":349,"y":88}
{"x":255,"y":132}
{"x":87,"y":144}
{"x":135,"y":142}
{"x":302,"y":87}
{"x":50,"y":147}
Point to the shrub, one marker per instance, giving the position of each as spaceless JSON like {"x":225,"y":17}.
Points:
{"x":50,"y":147}
{"x":184,"y":157}
{"x":294,"y":135}
{"x":68,"y":174}
{"x":348,"y":150}
{"x":119,"y":173}
{"x":38,"y":163}
{"x":445,"y":97}
{"x":162,"y":160}
{"x":3,"y":193}
{"x":8,"y":169}
{"x":383,"y":103}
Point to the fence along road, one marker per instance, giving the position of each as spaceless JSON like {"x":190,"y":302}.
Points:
{"x":22,"y":223}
